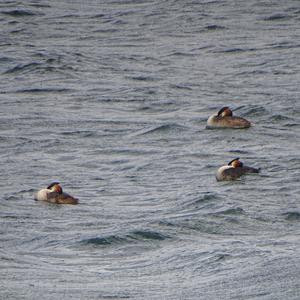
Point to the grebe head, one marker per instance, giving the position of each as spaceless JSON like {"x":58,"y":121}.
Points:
{"x":55,"y":187}
{"x":235,"y":163}
{"x":225,"y":112}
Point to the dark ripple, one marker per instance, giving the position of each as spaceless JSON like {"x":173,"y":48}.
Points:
{"x":22,"y":194}
{"x":5,"y":59}
{"x":44,"y":90}
{"x":203,"y":226}
{"x":207,"y":197}
{"x":255,"y":110}
{"x":40,"y":5}
{"x":292,"y":216}
{"x":20,"y":13}
{"x":276,"y":16}
{"x":114,"y":296}
{"x":148,"y":235}
{"x":214,"y":27}
{"x":24,"y":67}
{"x":80,"y":133}
{"x":181,"y":87}
{"x":104,"y":241}
{"x":278,"y":117}
{"x":202,"y":200}
{"x":292,"y":125}
{"x":284,"y":45}
{"x":144,"y":78}
{"x":166,"y":128}
{"x":235,"y":50}
{"x":231,"y":211}
{"x":132,"y":237}
{"x":181,"y":54}
{"x":238,"y":151}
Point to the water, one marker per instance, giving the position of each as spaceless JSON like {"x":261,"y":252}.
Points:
{"x":111,"y":99}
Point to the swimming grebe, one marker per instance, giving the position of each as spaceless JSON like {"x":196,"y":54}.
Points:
{"x":234,"y":170}
{"x":54,"y":194}
{"x":225,"y":119}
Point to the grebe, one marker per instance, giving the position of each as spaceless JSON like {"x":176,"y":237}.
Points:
{"x":225,"y":119}
{"x":54,"y":194}
{"x":234,"y":170}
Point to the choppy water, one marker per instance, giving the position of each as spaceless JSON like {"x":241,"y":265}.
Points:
{"x":111,"y":99}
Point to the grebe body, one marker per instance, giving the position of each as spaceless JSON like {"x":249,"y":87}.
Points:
{"x":234,"y":170}
{"x":54,"y":194}
{"x":225,"y":119}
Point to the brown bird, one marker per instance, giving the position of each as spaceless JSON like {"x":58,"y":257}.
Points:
{"x":225,"y":119}
{"x":54,"y":194}
{"x":234,"y":170}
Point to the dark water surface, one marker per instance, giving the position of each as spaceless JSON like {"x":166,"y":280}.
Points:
{"x":111,"y":99}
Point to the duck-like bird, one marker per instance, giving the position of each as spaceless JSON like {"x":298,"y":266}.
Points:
{"x":234,"y":170}
{"x":225,"y":119}
{"x":54,"y":194}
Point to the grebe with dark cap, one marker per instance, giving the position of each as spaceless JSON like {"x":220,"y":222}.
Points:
{"x":234,"y":170}
{"x":225,"y":119}
{"x":54,"y":194}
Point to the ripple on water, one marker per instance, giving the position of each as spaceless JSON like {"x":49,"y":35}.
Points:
{"x":231,"y":211}
{"x":201,"y":201}
{"x":23,"y":67}
{"x":20,"y":13}
{"x":164,"y":129}
{"x":276,"y":16}
{"x":214,"y":27}
{"x":134,"y":236}
{"x":292,"y":216}
{"x":253,"y":110}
